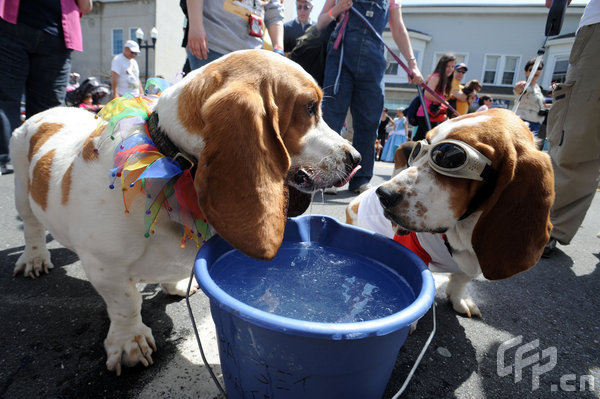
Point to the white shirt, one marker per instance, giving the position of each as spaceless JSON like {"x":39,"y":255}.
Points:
{"x":129,"y":75}
{"x":591,"y":14}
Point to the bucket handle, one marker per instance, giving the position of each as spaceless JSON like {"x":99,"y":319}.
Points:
{"x":414,"y":367}
{"x":210,"y":370}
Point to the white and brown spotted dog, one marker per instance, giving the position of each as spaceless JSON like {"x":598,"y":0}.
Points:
{"x":252,"y":121}
{"x":497,"y":227}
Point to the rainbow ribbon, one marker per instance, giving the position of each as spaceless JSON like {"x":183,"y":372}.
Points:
{"x":142,"y":169}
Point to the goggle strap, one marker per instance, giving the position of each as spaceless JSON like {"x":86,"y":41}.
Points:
{"x":485,"y":192}
{"x":487,"y":172}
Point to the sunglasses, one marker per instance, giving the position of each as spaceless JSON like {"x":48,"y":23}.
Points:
{"x":300,"y":7}
{"x":461,"y":71}
{"x":453,"y":158}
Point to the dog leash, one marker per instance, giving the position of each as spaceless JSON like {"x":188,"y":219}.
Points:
{"x":554,"y":23}
{"x":534,"y":69}
{"x":402,"y":64}
{"x":208,"y":367}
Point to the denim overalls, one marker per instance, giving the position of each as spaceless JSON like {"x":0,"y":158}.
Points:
{"x":358,"y":66}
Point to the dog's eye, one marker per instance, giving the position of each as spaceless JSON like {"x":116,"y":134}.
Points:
{"x":311,"y":108}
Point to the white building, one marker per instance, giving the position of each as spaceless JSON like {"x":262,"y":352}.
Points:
{"x":495,"y":38}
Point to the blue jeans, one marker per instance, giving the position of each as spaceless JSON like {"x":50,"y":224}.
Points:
{"x":534,"y":127}
{"x":196,"y":62}
{"x":32,"y":62}
{"x":361,"y":89}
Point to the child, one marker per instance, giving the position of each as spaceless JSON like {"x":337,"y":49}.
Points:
{"x":88,"y":104}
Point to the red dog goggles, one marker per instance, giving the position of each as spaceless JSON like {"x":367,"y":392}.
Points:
{"x":453,"y":158}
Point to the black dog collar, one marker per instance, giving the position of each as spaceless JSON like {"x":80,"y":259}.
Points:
{"x":167,"y":147}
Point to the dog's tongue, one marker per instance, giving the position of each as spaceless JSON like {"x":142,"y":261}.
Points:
{"x":349,"y":176}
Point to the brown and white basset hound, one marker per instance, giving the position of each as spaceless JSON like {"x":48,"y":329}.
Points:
{"x":492,"y":217}
{"x":250,"y":122}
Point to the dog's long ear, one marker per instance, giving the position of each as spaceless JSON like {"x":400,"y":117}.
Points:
{"x":515,"y":224}
{"x":241,"y":176}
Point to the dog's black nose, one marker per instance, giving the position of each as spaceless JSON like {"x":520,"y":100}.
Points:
{"x":301,"y":177}
{"x":388,"y":197}
{"x":352,"y":158}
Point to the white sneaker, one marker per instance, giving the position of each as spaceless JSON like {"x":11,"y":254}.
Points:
{"x":4,"y":170}
{"x":361,"y":189}
{"x":330,"y":190}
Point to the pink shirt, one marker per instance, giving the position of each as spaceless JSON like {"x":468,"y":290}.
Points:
{"x":9,"y":9}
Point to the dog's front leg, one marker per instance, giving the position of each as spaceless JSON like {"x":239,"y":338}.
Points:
{"x":456,"y":293}
{"x":129,"y":340}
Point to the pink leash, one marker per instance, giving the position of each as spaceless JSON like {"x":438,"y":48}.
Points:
{"x":396,"y":58}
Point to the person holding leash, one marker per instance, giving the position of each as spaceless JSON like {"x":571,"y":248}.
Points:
{"x":354,"y":71}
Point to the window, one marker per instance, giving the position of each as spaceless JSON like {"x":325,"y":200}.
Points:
{"x":500,"y":70}
{"x":510,"y":70}
{"x":393,"y":69}
{"x":559,"y":72}
{"x":490,"y":69}
{"x":132,"y":34}
{"x":117,"y":41}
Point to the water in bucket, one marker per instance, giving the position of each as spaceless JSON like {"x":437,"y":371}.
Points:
{"x":312,"y":282}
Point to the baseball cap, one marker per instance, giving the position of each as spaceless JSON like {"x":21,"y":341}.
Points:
{"x":462,"y":65}
{"x":133,"y":46}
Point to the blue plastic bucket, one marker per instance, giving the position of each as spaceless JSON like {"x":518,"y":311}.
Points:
{"x":265,"y":353}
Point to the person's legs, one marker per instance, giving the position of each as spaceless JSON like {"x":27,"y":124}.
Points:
{"x":366,"y":107}
{"x":574,"y":136}
{"x":534,"y":127}
{"x":365,"y":62}
{"x":14,"y":64}
{"x":196,"y":62}
{"x":336,"y":104}
{"x":422,"y":128}
{"x":48,"y":77}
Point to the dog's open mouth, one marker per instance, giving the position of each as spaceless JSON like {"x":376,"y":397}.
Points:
{"x":347,"y":179}
{"x":306,"y":181}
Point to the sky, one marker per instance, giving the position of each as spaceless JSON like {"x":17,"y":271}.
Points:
{"x":317,"y":7}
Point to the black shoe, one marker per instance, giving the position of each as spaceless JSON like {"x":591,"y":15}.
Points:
{"x":549,"y":248}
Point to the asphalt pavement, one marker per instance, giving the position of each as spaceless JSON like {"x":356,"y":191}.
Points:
{"x":539,"y":336}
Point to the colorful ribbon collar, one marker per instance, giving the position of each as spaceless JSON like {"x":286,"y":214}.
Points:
{"x":142,"y":169}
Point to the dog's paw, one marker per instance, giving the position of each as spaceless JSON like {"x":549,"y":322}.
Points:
{"x":129,"y":348}
{"x":465,"y":306}
{"x":32,"y":262}
{"x":180,"y":288}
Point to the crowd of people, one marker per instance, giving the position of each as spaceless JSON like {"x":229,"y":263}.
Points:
{"x":353,"y":79}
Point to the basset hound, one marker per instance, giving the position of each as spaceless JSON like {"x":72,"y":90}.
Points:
{"x":472,"y":198}
{"x":248,"y":126}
